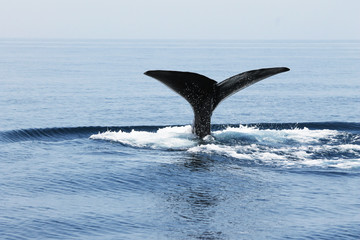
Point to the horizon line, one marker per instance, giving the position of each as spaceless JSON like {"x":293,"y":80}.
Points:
{"x":178,"y":39}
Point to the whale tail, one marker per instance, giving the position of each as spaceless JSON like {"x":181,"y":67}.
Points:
{"x":204,"y":94}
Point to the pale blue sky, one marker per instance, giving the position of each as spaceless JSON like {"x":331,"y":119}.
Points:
{"x":181,"y":19}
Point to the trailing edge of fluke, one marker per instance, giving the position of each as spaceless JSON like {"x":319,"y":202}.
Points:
{"x":204,"y":94}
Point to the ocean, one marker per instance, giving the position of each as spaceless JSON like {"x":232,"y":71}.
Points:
{"x":91,"y":148}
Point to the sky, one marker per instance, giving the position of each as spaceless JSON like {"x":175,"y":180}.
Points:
{"x":181,"y":19}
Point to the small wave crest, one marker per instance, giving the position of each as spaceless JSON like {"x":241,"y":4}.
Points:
{"x":59,"y":133}
{"x":289,"y":147}
{"x":48,"y":134}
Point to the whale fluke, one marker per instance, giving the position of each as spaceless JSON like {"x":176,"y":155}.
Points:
{"x":204,"y":94}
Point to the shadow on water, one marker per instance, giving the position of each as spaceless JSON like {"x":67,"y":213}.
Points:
{"x":193,"y":202}
{"x":198,"y":163}
{"x":211,"y":198}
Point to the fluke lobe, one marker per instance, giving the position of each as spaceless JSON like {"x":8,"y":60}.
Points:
{"x":204,"y":94}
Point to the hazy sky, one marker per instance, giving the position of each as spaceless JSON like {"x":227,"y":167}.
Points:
{"x":181,"y":19}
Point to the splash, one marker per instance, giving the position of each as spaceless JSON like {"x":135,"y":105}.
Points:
{"x":168,"y":138}
{"x":297,"y":147}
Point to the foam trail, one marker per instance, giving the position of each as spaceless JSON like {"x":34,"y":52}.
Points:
{"x":286,"y":147}
{"x":298,"y":147}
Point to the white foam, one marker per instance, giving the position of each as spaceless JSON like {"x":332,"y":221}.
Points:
{"x":298,"y":156}
{"x":271,"y":135}
{"x":349,"y":163}
{"x":218,"y":149}
{"x":176,"y":138}
{"x":285,"y":148}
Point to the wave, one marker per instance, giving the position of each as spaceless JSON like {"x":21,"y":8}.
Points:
{"x":320,"y":144}
{"x":63,"y":133}
{"x":59,"y":134}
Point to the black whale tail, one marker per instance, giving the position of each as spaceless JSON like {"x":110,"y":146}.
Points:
{"x":204,"y":94}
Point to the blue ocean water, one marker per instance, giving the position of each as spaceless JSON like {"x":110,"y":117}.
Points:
{"x":90,"y":148}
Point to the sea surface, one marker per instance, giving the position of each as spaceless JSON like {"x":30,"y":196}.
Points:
{"x":91,"y":148}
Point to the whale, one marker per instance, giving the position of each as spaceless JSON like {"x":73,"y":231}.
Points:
{"x":205,"y":94}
